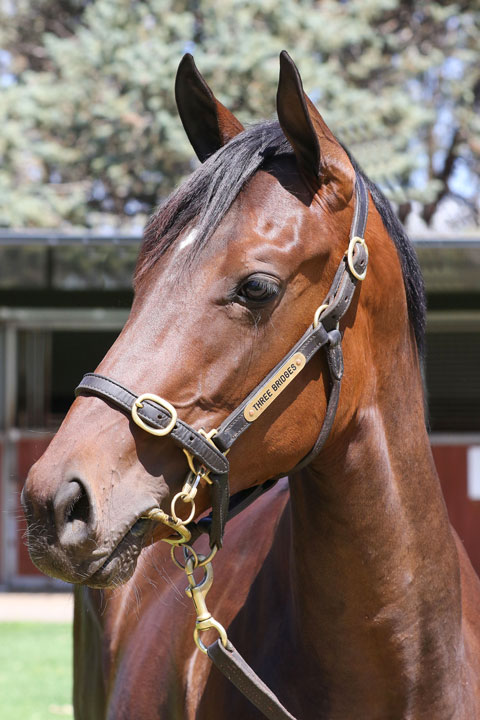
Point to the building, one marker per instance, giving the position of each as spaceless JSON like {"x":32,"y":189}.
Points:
{"x":63,"y":300}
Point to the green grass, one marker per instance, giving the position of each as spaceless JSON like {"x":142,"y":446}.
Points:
{"x":35,"y":671}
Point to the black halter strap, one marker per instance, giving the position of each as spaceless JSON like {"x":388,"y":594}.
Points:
{"x":157,"y":416}
{"x":154,"y":413}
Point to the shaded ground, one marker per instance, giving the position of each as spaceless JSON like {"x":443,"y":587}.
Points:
{"x":40,"y":607}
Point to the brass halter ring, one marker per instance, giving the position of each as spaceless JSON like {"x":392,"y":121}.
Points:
{"x":199,"y":561}
{"x":160,"y":432}
{"x":186,"y":497}
{"x":351,"y":247}
{"x":318,"y":312}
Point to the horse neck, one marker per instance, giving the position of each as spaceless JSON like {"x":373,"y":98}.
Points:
{"x":376,"y":591}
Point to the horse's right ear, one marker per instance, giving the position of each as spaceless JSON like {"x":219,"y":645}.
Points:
{"x":208,"y":123}
{"x":319,"y":154}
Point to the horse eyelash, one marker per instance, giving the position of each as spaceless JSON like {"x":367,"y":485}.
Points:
{"x":234,"y":294}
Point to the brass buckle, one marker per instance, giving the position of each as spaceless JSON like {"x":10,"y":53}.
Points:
{"x":351,"y":247}
{"x":160,"y":432}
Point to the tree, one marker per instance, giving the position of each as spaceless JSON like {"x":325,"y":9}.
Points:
{"x":90,"y":133}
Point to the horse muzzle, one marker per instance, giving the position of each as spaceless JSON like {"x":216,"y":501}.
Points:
{"x":67,"y":538}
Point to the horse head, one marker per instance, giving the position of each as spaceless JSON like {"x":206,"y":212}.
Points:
{"x":231,"y":271}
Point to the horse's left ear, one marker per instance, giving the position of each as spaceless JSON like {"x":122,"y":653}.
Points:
{"x":318,"y":152}
{"x":208,"y":123}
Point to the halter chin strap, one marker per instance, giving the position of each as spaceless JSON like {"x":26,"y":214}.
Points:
{"x":156,"y":416}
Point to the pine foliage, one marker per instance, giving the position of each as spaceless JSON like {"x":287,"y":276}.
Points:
{"x":91,"y":136}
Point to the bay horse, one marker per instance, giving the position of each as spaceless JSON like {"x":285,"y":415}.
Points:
{"x":345,"y":587}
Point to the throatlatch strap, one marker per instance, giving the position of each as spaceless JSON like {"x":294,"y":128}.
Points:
{"x":235,"y":669}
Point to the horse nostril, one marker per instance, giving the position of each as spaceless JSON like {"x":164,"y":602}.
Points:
{"x":79,"y":508}
{"x":73,"y":512}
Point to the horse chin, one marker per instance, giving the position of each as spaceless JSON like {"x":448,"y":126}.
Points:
{"x":116,"y":570}
{"x":100,"y":570}
{"x":122,"y":561}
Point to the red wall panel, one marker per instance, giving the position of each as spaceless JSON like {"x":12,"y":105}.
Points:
{"x":451,"y":462}
{"x":29,"y":450}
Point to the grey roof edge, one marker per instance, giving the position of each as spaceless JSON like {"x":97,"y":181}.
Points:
{"x":54,"y":238}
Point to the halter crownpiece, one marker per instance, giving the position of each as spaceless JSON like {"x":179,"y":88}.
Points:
{"x":157,"y":416}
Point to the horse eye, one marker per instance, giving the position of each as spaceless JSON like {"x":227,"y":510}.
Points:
{"x":258,"y":289}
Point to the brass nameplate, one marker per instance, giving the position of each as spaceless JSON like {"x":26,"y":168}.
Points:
{"x":272,"y":389}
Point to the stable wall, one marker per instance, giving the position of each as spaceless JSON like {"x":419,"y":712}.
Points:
{"x":461,"y":489}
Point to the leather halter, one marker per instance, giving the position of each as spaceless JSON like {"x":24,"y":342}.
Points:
{"x":157,"y":416}
{"x":209,"y":449}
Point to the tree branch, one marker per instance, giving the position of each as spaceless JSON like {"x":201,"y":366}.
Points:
{"x":444,"y":176}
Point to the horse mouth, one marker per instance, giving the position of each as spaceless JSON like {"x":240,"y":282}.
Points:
{"x":120,"y":564}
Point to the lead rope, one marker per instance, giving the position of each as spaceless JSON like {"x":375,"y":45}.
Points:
{"x":222,"y":653}
{"x":192,"y":560}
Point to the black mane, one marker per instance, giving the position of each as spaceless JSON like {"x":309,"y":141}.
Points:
{"x":206,"y":196}
{"x":412,"y":274}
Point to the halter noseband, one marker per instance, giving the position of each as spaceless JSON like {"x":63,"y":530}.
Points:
{"x":158,"y":417}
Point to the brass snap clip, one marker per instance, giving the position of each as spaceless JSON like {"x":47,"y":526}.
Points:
{"x":158,"y":515}
{"x":198,"y":593}
{"x":202,"y":473}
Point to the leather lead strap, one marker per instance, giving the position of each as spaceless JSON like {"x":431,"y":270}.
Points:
{"x":235,"y":669}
